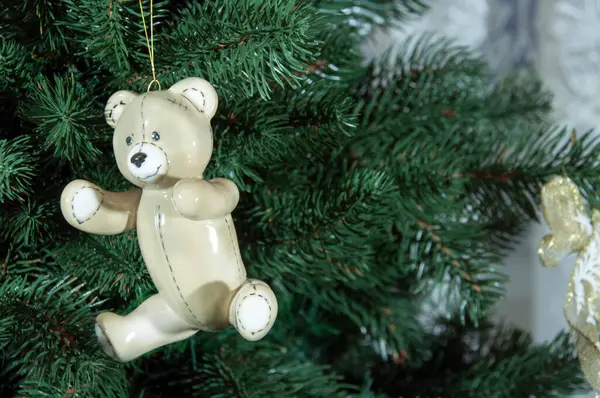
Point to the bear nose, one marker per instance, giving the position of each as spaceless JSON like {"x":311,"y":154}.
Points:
{"x":138,"y":159}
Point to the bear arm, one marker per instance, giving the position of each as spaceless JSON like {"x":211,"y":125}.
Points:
{"x":91,"y":209}
{"x":205,"y":200}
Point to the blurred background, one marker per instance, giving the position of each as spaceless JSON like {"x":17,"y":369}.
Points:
{"x":560,"y":41}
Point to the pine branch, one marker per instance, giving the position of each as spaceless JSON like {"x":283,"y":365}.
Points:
{"x":488,"y":361}
{"x":393,"y":333}
{"x":46,"y":13}
{"x":326,"y":253}
{"x":241,"y":370}
{"x":66,"y":120}
{"x":31,"y":224}
{"x":15,"y":66}
{"x":119,"y":43}
{"x":33,"y":23}
{"x":306,"y":125}
{"x":328,"y":242}
{"x":113,"y":265}
{"x":248,"y":134}
{"x":105,"y":173}
{"x":340,"y":60}
{"x":511,"y":366}
{"x":64,"y":355}
{"x":241,"y":52}
{"x":452,"y":248}
{"x":321,"y":117}
{"x":17,"y":168}
{"x":363,"y":15}
{"x":513,"y":179}
{"x":435,"y":85}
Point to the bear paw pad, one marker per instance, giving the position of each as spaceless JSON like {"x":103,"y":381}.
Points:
{"x":254,"y":313}
{"x":86,"y":203}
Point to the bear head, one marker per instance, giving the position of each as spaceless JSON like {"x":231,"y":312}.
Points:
{"x":163,"y":136}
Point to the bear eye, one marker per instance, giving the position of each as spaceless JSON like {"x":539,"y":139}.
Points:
{"x":128,"y":140}
{"x":155,"y":136}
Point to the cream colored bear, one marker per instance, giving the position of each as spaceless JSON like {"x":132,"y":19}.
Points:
{"x":162,"y":143}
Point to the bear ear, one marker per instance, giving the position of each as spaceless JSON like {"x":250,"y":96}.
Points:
{"x":116,"y":105}
{"x":200,"y":93}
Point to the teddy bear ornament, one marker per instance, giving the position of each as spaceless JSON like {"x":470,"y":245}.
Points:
{"x":163,"y":143}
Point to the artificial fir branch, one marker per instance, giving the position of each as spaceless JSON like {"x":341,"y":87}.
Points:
{"x":119,"y":45}
{"x":513,"y":367}
{"x":65,"y":119}
{"x":30,"y":223}
{"x":491,"y":361}
{"x":34,"y":22}
{"x":365,"y":15}
{"x":299,"y":126}
{"x":45,"y":14}
{"x":338,"y":66}
{"x":512,"y":181}
{"x":323,"y":236}
{"x":240,"y":370}
{"x":112,"y":265}
{"x":240,"y":52}
{"x":62,"y":356}
{"x":15,"y":65}
{"x":17,"y":168}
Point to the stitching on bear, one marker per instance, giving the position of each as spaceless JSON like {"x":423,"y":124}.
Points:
{"x":203,"y":99}
{"x":237,"y":257}
{"x":160,"y":149}
{"x":142,"y":114}
{"x":162,"y":242}
{"x":93,"y":214}
{"x":180,"y":103}
{"x":240,"y":304}
{"x":109,"y":113}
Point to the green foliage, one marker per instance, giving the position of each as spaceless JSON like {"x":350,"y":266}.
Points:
{"x":65,"y":120}
{"x":114,"y":264}
{"x":311,"y":246}
{"x":364,"y":15}
{"x":490,"y":362}
{"x":17,"y":168}
{"x":30,"y":223}
{"x":14,"y":67}
{"x":514,"y":368}
{"x":33,"y":22}
{"x":119,"y":44}
{"x":46,"y":330}
{"x":243,"y":48}
{"x":246,"y":370}
{"x":367,"y":189}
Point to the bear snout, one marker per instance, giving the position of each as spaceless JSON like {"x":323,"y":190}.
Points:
{"x":147,"y":162}
{"x":138,"y":159}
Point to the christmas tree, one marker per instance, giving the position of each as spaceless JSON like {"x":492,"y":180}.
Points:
{"x":370,"y":192}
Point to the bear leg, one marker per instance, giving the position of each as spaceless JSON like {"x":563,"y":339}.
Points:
{"x":253,"y":309}
{"x":151,"y":325}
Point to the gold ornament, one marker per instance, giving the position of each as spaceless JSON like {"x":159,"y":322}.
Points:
{"x":576,"y":229}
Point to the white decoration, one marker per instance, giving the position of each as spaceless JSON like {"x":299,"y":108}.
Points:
{"x":587,"y":272}
{"x":85,"y":203}
{"x":254,"y":313}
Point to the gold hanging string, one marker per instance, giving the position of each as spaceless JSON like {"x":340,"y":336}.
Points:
{"x":150,"y":42}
